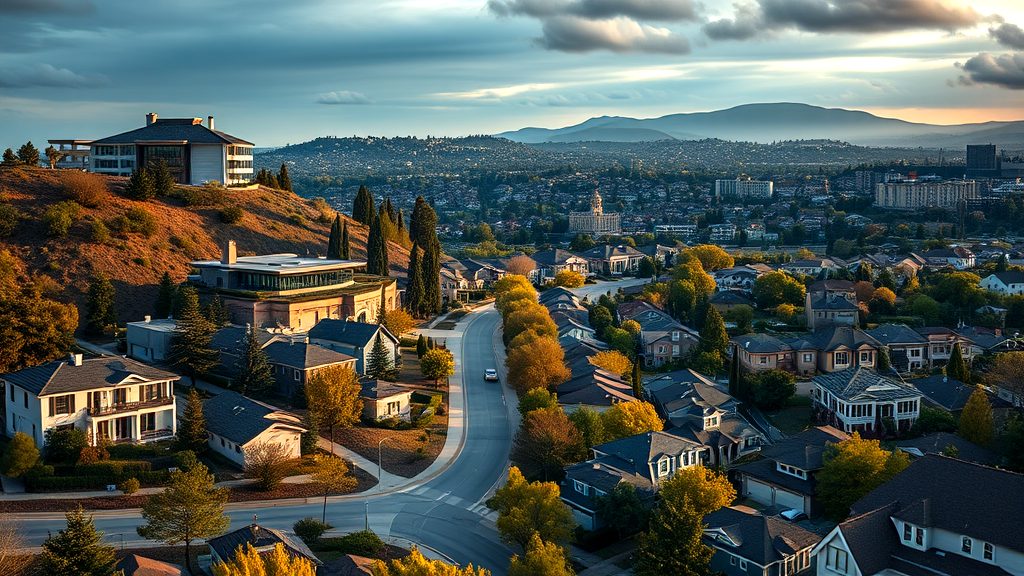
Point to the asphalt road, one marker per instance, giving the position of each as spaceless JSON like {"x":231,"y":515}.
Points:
{"x":444,"y":513}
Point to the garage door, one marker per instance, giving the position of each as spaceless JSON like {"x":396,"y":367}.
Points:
{"x":759,"y":492}
{"x":785,"y":499}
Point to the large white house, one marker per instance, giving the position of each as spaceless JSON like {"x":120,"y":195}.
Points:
{"x":237,"y":424}
{"x":860,"y":399}
{"x":1007,"y":282}
{"x":111,"y":398}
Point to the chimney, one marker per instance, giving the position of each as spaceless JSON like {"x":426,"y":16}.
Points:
{"x":150,"y":118}
{"x":147,"y":318}
{"x":209,"y":121}
{"x":230,"y":253}
{"x":75,"y":360}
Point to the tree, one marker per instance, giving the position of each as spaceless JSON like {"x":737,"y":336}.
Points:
{"x":541,"y":559}
{"x":255,"y":376}
{"x":581,"y":243}
{"x":423,"y":224}
{"x":13,"y":559}
{"x":690,"y":269}
{"x":310,"y":440}
{"x":192,"y":424}
{"x":648,"y":267}
{"x":883,"y":301}
{"x":538,"y":364}
{"x":346,"y":248}
{"x":415,"y":564}
{"x":546,"y":443}
{"x":380,"y":365}
{"x":64,"y":445}
{"x":332,"y":394}
{"x":621,"y":340}
{"x":10,"y":158}
{"x":957,"y":366}
{"x":976,"y":418}
{"x":521,"y":265}
{"x":21,"y":455}
{"x":421,"y":346}
{"x":630,"y":418}
{"x":267,"y":463}
{"x":853,"y":468}
{"x":190,"y":508}
{"x":537,"y":399}
{"x":216,"y":312}
{"x":932,"y":420}
{"x":251,"y":562}
{"x":376,"y":250}
{"x":78,"y":549}
{"x":334,"y":240}
{"x":414,"y":292}
{"x":613,"y":361}
{"x":332,"y":475}
{"x":140,"y":185}
{"x":530,"y":317}
{"x":33,"y":329}
{"x":528,"y":508}
{"x":624,"y":510}
{"x":713,"y":337}
{"x":569,"y":279}
{"x":771,"y":389}
{"x":165,"y":296}
{"x":28,"y":154}
{"x":99,"y":305}
{"x":192,"y":348}
{"x":53,"y":156}
{"x":711,"y":257}
{"x":163,"y":181}
{"x":284,"y":179}
{"x":398,"y":321}
{"x":363,"y":210}
{"x":431,"y":272}
{"x":673,"y":543}
{"x":1007,"y":372}
{"x":776,"y":288}
{"x":884,"y":364}
{"x":436,"y":364}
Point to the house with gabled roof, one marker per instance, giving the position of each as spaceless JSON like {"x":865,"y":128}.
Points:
{"x":551,"y":262}
{"x":841,"y":347}
{"x":663,"y":338}
{"x":941,"y":341}
{"x":355,"y":339}
{"x":829,"y":309}
{"x":1006,"y":282}
{"x":383,"y":400}
{"x":862,"y":400}
{"x":908,"y":350}
{"x":235,"y":423}
{"x":223,"y":548}
{"x":748,"y":542}
{"x":612,"y":260}
{"x":763,"y":352}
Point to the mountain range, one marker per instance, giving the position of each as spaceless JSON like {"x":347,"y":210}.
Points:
{"x":780,"y":121}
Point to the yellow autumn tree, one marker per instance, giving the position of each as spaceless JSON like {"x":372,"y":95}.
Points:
{"x":631,"y":418}
{"x":249,"y":562}
{"x":415,"y":564}
{"x":569,"y":279}
{"x":613,"y":361}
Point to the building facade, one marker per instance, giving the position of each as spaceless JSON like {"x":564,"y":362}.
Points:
{"x":595,"y":222}
{"x":915,"y":194}
{"x":744,"y":187}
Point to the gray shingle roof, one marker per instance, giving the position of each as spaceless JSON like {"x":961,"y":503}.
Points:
{"x":635,"y":452}
{"x":237,"y":418}
{"x":1010,"y":277}
{"x":606,"y":251}
{"x":63,"y":377}
{"x":552,"y":257}
{"x":761,"y":344}
{"x":937,"y":442}
{"x":173,"y":129}
{"x":761,"y":539}
{"x":259,"y":537}
{"x":357,"y":334}
{"x":835,"y":336}
{"x":805,"y":450}
{"x":889,"y":334}
{"x":826,"y":301}
{"x":855,"y":384}
{"x":303,"y":355}
{"x":377,"y":389}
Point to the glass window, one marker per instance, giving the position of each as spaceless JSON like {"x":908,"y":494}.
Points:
{"x":989,"y":551}
{"x":663,"y":467}
{"x":965,"y":545}
{"x":836,"y":559}
{"x":919,"y":537}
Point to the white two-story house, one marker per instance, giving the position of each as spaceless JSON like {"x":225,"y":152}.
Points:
{"x":1007,"y":282}
{"x":113,"y":399}
{"x":862,"y":400}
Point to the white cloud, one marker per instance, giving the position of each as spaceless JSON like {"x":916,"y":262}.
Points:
{"x":343,"y":97}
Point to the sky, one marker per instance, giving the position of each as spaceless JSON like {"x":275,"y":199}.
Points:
{"x":278,"y":72}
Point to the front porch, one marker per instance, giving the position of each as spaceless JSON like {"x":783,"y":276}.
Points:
{"x":140,"y":426}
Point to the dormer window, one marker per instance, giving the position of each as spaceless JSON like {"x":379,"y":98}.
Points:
{"x":663,"y":467}
{"x":919,"y":536}
{"x":580,"y":487}
{"x":711,"y":422}
{"x":965,"y":545}
{"x":989,"y":552}
{"x":908,"y":532}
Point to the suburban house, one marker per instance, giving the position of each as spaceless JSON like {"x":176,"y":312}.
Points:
{"x":589,"y":385}
{"x":573,"y":325}
{"x":700,"y":411}
{"x":941,"y":341}
{"x":825,"y":309}
{"x":950,"y":394}
{"x":551,"y":262}
{"x":737,"y":278}
{"x":959,"y":257}
{"x":810,"y":267}
{"x":834,"y":287}
{"x":611,"y":260}
{"x":355,"y":339}
{"x":862,"y":400}
{"x":661,"y":254}
{"x":727,"y":300}
{"x":841,"y":347}
{"x":765,"y":352}
{"x":908,"y":350}
{"x":663,"y":338}
{"x":223,"y":548}
{"x":289,"y":291}
{"x":454,"y":286}
{"x":949,"y":444}
{"x":1007,"y":282}
{"x":111,"y":398}
{"x":150,"y":340}
{"x":939,"y":516}
{"x":135,"y":565}
{"x":746,"y":542}
{"x":784,"y":475}
{"x":644,"y":460}
{"x":383,"y":400}
{"x":236,"y":423}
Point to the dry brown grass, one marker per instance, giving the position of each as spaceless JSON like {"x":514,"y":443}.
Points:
{"x":89,"y":190}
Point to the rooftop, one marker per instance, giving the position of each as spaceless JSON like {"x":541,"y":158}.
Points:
{"x":65,"y":376}
{"x":856,"y":384}
{"x":281,"y":264}
{"x":184,"y":130}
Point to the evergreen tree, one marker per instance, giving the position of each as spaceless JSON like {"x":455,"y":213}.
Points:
{"x":53,"y":156}
{"x":390,"y":209}
{"x":376,"y":250}
{"x":431,"y":277}
{"x":191,"y":348}
{"x":421,"y":346}
{"x":77,"y":550}
{"x":254,"y":373}
{"x":216,"y":312}
{"x":382,"y":310}
{"x":403,"y":233}
{"x":379,"y":365}
{"x":192,"y":424}
{"x":283,"y":179}
{"x":140,"y":185}
{"x":363,"y":210}
{"x":387,"y":226}
{"x":976,"y":419}
{"x":28,"y":154}
{"x":957,"y":366}
{"x":414,"y":286}
{"x":311,"y":437}
{"x":100,"y":312}
{"x":163,"y":181}
{"x":1003,"y":264}
{"x":345,"y":243}
{"x":713,"y":337}
{"x":334,"y":240}
{"x":884,"y":364}
{"x":735,"y":374}
{"x":638,"y":381}
{"x":165,"y":296}
{"x":10,"y":158}
{"x":423,"y":223}
{"x":272,"y":180}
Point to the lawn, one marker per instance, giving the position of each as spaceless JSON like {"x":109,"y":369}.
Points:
{"x":794,"y":417}
{"x":403,"y":452}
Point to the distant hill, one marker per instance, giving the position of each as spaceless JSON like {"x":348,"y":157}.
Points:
{"x":274,"y":221}
{"x":780,"y":121}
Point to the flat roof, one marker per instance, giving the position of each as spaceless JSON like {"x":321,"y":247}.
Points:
{"x":281,"y":264}
{"x":70,"y":141}
{"x":157,"y":324}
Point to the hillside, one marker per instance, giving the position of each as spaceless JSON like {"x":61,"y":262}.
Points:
{"x":274,"y":221}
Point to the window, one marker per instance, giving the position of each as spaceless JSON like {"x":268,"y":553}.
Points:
{"x":25,"y":399}
{"x":919,"y":537}
{"x":675,"y":336}
{"x":62,"y":405}
{"x":580,"y":487}
{"x":743,"y":564}
{"x":221,"y":442}
{"x":808,"y":357}
{"x":990,"y":553}
{"x":12,"y":393}
{"x":965,"y":545}
{"x":841,"y":358}
{"x":865,"y":357}
{"x":394,"y":407}
{"x":148,"y":422}
{"x":764,"y":359}
{"x":908,"y":532}
{"x":915,"y":353}
{"x":663,"y":467}
{"x":732,"y":560}
{"x":836,"y":559}
{"x":296,"y":375}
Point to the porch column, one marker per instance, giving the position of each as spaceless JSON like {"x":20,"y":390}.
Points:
{"x":95,"y":439}
{"x":137,"y":428}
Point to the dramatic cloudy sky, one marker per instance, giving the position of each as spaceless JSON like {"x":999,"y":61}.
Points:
{"x":286,"y":71}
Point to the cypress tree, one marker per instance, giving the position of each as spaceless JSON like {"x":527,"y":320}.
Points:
{"x":382,"y":310}
{"x":414,"y":290}
{"x":735,"y":375}
{"x":957,"y":366}
{"x":191,"y":348}
{"x":638,"y":380}
{"x":713,"y":337}
{"x":421,"y":346}
{"x":100,"y":306}
{"x":387,"y":225}
{"x":165,"y":296}
{"x":163,"y":181}
{"x":379,"y":364}
{"x":254,"y":373}
{"x":423,"y":223}
{"x":376,"y":250}
{"x":192,"y":424}
{"x":28,"y":154}
{"x":884,"y":365}
{"x":362,"y":208}
{"x":390,"y":209}
{"x":272,"y":180}
{"x":283,"y":179}
{"x":345,"y":250}
{"x":334,"y":240}
{"x":403,"y":234}
{"x":77,"y":549}
{"x":431,"y":274}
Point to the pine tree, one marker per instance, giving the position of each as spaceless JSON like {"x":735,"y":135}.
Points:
{"x":53,"y":156}
{"x":140,"y":185}
{"x":272,"y":180}
{"x":345,"y":244}
{"x":376,"y":250}
{"x":100,"y":312}
{"x":165,"y":296}
{"x":254,"y":373}
{"x":216,"y":312}
{"x":387,"y":226}
{"x":403,"y":234}
{"x":713,"y":337}
{"x":884,"y":364}
{"x":379,"y":365}
{"x":192,"y":424}
{"x":163,"y":181}
{"x":735,"y":374}
{"x":1003,"y":264}
{"x":414,"y":288}
{"x":311,"y":437}
{"x":28,"y":154}
{"x":10,"y":158}
{"x":431,"y":277}
{"x":191,"y":348}
{"x":283,"y":179}
{"x":77,"y":550}
{"x":334,"y":240}
{"x":957,"y":366}
{"x":638,"y":380}
{"x":421,"y":346}
{"x":363,"y":210}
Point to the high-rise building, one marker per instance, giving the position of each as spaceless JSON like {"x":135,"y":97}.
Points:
{"x":913,"y":194}
{"x":981,"y":158}
{"x":744,"y":187}
{"x":595,"y":222}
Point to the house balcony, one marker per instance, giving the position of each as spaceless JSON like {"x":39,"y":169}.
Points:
{"x":124,"y":407}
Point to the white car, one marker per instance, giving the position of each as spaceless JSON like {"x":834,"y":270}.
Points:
{"x":491,"y":375}
{"x":793,"y":515}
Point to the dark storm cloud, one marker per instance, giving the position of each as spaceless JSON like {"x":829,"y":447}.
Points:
{"x":1009,"y":35}
{"x":1006,"y":70}
{"x":746,"y":23}
{"x":45,"y":75}
{"x":46,"y":6}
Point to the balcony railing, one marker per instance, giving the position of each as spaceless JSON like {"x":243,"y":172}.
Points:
{"x":129,"y":406}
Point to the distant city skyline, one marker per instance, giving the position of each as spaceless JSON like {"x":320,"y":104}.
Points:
{"x":288,"y":72}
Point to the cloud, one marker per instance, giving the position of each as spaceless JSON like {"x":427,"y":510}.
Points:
{"x":343,"y":97}
{"x":46,"y":6}
{"x":746,"y":23}
{"x":45,"y":75}
{"x":1009,"y":35}
{"x":570,"y":34}
{"x":1006,"y":70}
{"x":659,"y":10}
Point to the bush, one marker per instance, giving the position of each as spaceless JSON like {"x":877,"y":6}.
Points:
{"x":186,"y":460}
{"x":134,"y":451}
{"x":362,"y":543}
{"x":134,"y":221}
{"x":309,"y":530}
{"x":59,"y":218}
{"x":64,"y":446}
{"x":231,"y":214}
{"x":9,"y":218}
{"x":109,"y":468}
{"x":87,"y":189}
{"x":129,"y":486}
{"x":21,"y":455}
{"x":98,"y":232}
{"x":205,"y":196}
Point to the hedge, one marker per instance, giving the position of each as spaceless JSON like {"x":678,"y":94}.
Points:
{"x":60,"y":483}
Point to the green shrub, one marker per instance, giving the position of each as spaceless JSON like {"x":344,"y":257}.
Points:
{"x":362,"y":543}
{"x":59,"y":218}
{"x":134,"y":451}
{"x":9,"y":218}
{"x":309,"y":530}
{"x":64,"y":446}
{"x":231,"y":214}
{"x":98,"y":232}
{"x":129,"y":486}
{"x":113,"y":468}
{"x":135,"y":221}
{"x":186,"y":460}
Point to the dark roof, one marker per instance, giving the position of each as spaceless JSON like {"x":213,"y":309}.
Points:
{"x":859,"y":383}
{"x":237,"y":418}
{"x":758,"y":538}
{"x":606,"y":251}
{"x":348,"y":565}
{"x":165,"y":129}
{"x":259,"y":537}
{"x":805,"y":450}
{"x":960,"y":497}
{"x":231,"y":339}
{"x":944,"y":391}
{"x":63,"y":377}
{"x":730,"y":297}
{"x":765,"y":471}
{"x":871,"y":538}
{"x":357,"y":334}
{"x":553,"y":257}
{"x":831,"y":285}
{"x":937,"y":442}
{"x":304,"y":355}
{"x":833,"y":337}
{"x":135,"y":565}
{"x":889,"y":334}
{"x":599,"y":473}
{"x":376,"y":389}
{"x":761,"y":344}
{"x":933,"y":561}
{"x":831,"y":301}
{"x":556,"y":293}
{"x":633,"y":453}
{"x":1010,"y":277}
